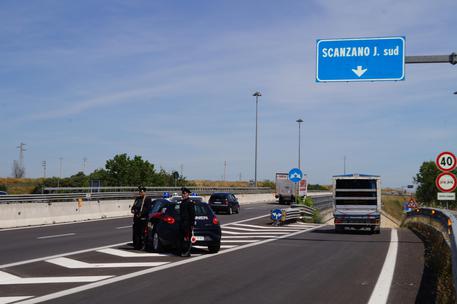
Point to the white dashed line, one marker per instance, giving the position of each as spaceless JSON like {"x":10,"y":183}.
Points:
{"x":55,"y":236}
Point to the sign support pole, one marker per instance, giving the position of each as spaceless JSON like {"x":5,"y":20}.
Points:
{"x":452,"y":59}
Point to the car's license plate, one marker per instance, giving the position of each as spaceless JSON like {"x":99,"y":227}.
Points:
{"x":199,"y":238}
{"x":217,"y":203}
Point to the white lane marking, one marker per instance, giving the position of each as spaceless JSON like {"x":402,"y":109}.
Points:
{"x":6,"y":300}
{"x":9,"y":279}
{"x":54,"y":236}
{"x":74,"y":264}
{"x":252,"y":233}
{"x":251,"y":236}
{"x":267,"y":227}
{"x":270,"y":229}
{"x":246,"y":220}
{"x":59,"y":255}
{"x":129,"y":254}
{"x":239,"y":241}
{"x":381,"y":291}
{"x":222,"y":246}
{"x":124,"y":227}
{"x":63,"y":293}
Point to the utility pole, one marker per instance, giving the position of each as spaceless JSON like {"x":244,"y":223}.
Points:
{"x":345,"y":164}
{"x":182,"y":168}
{"x":21,"y":154}
{"x":84,"y":164}
{"x":225,"y":170}
{"x":43,"y":163}
{"x":257,"y":95}
{"x":60,"y":172}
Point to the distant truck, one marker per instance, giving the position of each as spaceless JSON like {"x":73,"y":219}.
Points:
{"x":285,"y":189}
{"x":357,"y":202}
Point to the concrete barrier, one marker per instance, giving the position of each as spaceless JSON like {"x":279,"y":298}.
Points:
{"x":30,"y":214}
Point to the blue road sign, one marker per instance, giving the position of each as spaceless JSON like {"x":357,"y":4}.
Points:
{"x":295,"y":175}
{"x":360,"y":59}
{"x":276,"y":214}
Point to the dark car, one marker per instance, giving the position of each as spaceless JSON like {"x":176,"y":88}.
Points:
{"x":164,"y":228}
{"x":3,"y":193}
{"x":224,"y":202}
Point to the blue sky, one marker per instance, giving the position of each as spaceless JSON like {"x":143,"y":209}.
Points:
{"x":172,"y":81}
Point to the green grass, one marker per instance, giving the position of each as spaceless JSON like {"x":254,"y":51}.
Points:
{"x":393,"y":205}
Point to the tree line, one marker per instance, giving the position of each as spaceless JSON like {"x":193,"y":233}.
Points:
{"x":121,"y":170}
{"x":425,"y":179}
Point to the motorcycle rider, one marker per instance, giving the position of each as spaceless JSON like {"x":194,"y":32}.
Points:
{"x":186,"y":224}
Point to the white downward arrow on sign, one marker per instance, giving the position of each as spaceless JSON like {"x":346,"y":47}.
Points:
{"x":359,"y":72}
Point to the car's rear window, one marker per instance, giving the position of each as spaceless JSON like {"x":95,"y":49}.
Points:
{"x":218,"y":197}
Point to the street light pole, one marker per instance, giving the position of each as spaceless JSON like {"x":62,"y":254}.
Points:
{"x":299,"y":141}
{"x":256,"y":94}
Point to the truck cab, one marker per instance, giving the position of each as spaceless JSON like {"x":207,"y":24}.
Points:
{"x":357,"y":202}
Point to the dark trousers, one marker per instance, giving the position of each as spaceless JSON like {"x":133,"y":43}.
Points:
{"x":184,"y":242}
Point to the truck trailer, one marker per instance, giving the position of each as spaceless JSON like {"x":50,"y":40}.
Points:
{"x":285,"y":189}
{"x":357,"y":202}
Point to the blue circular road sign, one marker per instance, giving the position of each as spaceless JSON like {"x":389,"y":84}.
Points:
{"x":276,"y":214}
{"x":295,"y":175}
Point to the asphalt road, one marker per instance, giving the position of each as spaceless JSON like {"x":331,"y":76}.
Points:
{"x":298,"y":264}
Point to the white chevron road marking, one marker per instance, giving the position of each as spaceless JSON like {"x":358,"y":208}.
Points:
{"x":128,"y":276}
{"x":279,"y":228}
{"x":238,"y":241}
{"x":269,"y":230}
{"x":9,"y":279}
{"x":74,"y":264}
{"x":250,"y":236}
{"x":130,"y":254}
{"x":252,"y":233}
{"x":6,"y":300}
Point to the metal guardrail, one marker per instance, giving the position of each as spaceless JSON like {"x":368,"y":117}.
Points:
{"x":322,"y":202}
{"x":152,"y":189}
{"x":443,"y":221}
{"x":295,"y":212}
{"x":110,"y":193}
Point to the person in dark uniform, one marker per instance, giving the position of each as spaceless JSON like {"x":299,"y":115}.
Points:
{"x":139,"y":210}
{"x":186,"y":223}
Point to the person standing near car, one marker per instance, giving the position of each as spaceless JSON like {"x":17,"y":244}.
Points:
{"x":186,"y":224}
{"x":139,"y":222}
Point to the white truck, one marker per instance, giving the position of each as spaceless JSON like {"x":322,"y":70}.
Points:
{"x":357,"y":202}
{"x":285,"y":189}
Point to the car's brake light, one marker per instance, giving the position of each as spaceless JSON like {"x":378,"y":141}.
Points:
{"x":168,"y":219}
{"x":226,"y":201}
{"x":215,"y":220}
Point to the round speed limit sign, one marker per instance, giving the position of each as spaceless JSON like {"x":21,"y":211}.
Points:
{"x":446,"y":182}
{"x":446,"y":161}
